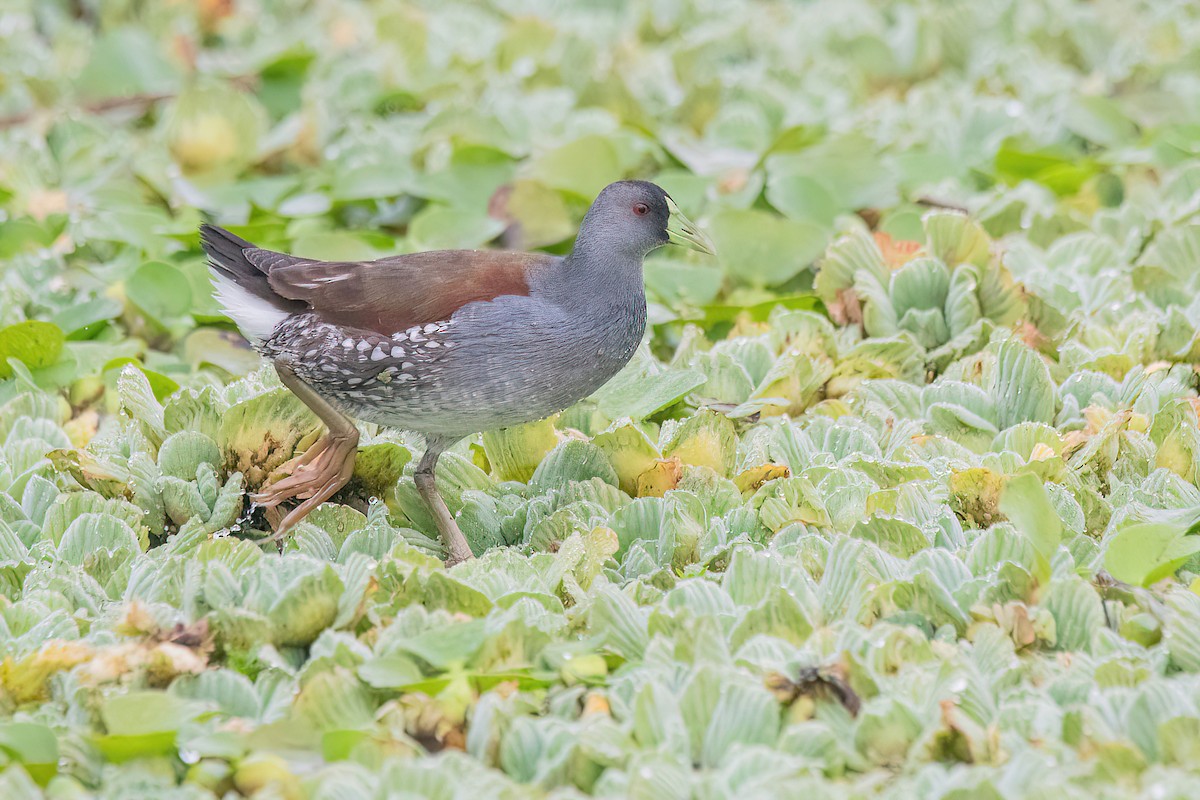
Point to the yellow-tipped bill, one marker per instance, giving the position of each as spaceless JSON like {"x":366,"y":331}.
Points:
{"x":683,"y":232}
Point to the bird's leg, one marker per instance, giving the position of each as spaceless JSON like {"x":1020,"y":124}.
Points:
{"x":456,"y":544}
{"x":323,"y":469}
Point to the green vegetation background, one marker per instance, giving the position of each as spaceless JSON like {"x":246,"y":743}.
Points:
{"x":897,"y":501}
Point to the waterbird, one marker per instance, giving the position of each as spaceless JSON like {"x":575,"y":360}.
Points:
{"x":444,"y":343}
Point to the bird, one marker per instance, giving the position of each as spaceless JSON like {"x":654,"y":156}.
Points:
{"x":444,"y":343}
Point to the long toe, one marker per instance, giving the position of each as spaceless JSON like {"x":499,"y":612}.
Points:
{"x":313,"y":453}
{"x":306,"y":478}
{"x":290,"y":488}
{"x":269,"y":498}
{"x":317,"y":483}
{"x":301,"y":511}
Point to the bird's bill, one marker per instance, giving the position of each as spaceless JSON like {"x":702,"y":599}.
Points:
{"x":683,"y":232}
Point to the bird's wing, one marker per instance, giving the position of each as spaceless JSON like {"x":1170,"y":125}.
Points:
{"x":398,"y":292}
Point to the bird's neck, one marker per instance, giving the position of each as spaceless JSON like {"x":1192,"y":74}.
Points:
{"x":605,"y":299}
{"x":603,"y":280}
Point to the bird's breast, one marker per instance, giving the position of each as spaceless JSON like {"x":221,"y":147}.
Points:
{"x":502,"y":363}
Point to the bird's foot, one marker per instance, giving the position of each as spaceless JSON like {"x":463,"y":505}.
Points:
{"x":281,"y":490}
{"x":313,"y":480}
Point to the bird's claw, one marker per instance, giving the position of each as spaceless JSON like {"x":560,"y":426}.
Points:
{"x":314,"y":477}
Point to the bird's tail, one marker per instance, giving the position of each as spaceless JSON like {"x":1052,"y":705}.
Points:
{"x":242,"y":289}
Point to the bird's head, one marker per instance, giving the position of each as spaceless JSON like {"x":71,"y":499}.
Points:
{"x":635,"y":217}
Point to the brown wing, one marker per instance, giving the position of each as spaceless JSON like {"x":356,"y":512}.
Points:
{"x":395,"y":293}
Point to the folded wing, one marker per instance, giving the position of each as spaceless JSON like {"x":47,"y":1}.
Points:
{"x":388,"y":295}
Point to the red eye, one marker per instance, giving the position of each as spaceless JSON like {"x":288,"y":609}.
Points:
{"x":641,"y":209}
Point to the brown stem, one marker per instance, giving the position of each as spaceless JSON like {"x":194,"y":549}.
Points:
{"x":934,"y":203}
{"x":143,"y":101}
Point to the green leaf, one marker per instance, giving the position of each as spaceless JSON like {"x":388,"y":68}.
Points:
{"x":86,"y":319}
{"x":259,"y":434}
{"x":1025,"y":502}
{"x":1021,"y":386}
{"x":643,"y":388}
{"x":847,"y":166}
{"x":760,"y":249}
{"x":337,"y":745}
{"x":896,"y":536}
{"x":390,"y":672}
{"x":446,"y":647}
{"x":223,"y":349}
{"x":160,"y":385}
{"x":540,"y":214}
{"x":1145,"y":553}
{"x":582,"y":167}
{"x":307,"y":607}
{"x":629,"y":451}
{"x":126,"y":61}
{"x":214,"y":128}
{"x":33,"y":746}
{"x":183,"y":452}
{"x":573,"y":460}
{"x":801,"y":198}
{"x":1077,"y":611}
{"x":1061,"y":171}
{"x":705,"y":439}
{"x":160,"y":290}
{"x":142,"y":723}
{"x":444,"y":228}
{"x":955,"y":238}
{"x":514,"y":453}
{"x":35,"y":344}
{"x":920,"y":284}
{"x":378,"y":466}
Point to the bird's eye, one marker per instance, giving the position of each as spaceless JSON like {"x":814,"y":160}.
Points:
{"x":641,"y":209}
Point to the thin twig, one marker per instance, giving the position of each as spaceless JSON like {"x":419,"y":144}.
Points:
{"x":934,"y":203}
{"x":99,"y":107}
{"x":133,"y":101}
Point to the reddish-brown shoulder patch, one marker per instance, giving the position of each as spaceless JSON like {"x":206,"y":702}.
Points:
{"x":393,"y":294}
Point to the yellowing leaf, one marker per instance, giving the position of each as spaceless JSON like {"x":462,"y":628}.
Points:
{"x":663,"y":476}
{"x":25,"y":679}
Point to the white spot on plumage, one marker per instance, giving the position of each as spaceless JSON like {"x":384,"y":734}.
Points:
{"x":407,"y":365}
{"x":354,"y":381}
{"x":364,"y":346}
{"x":400,"y":337}
{"x":432,"y":344}
{"x":432,"y":328}
{"x":378,"y":354}
{"x":397,"y":352}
